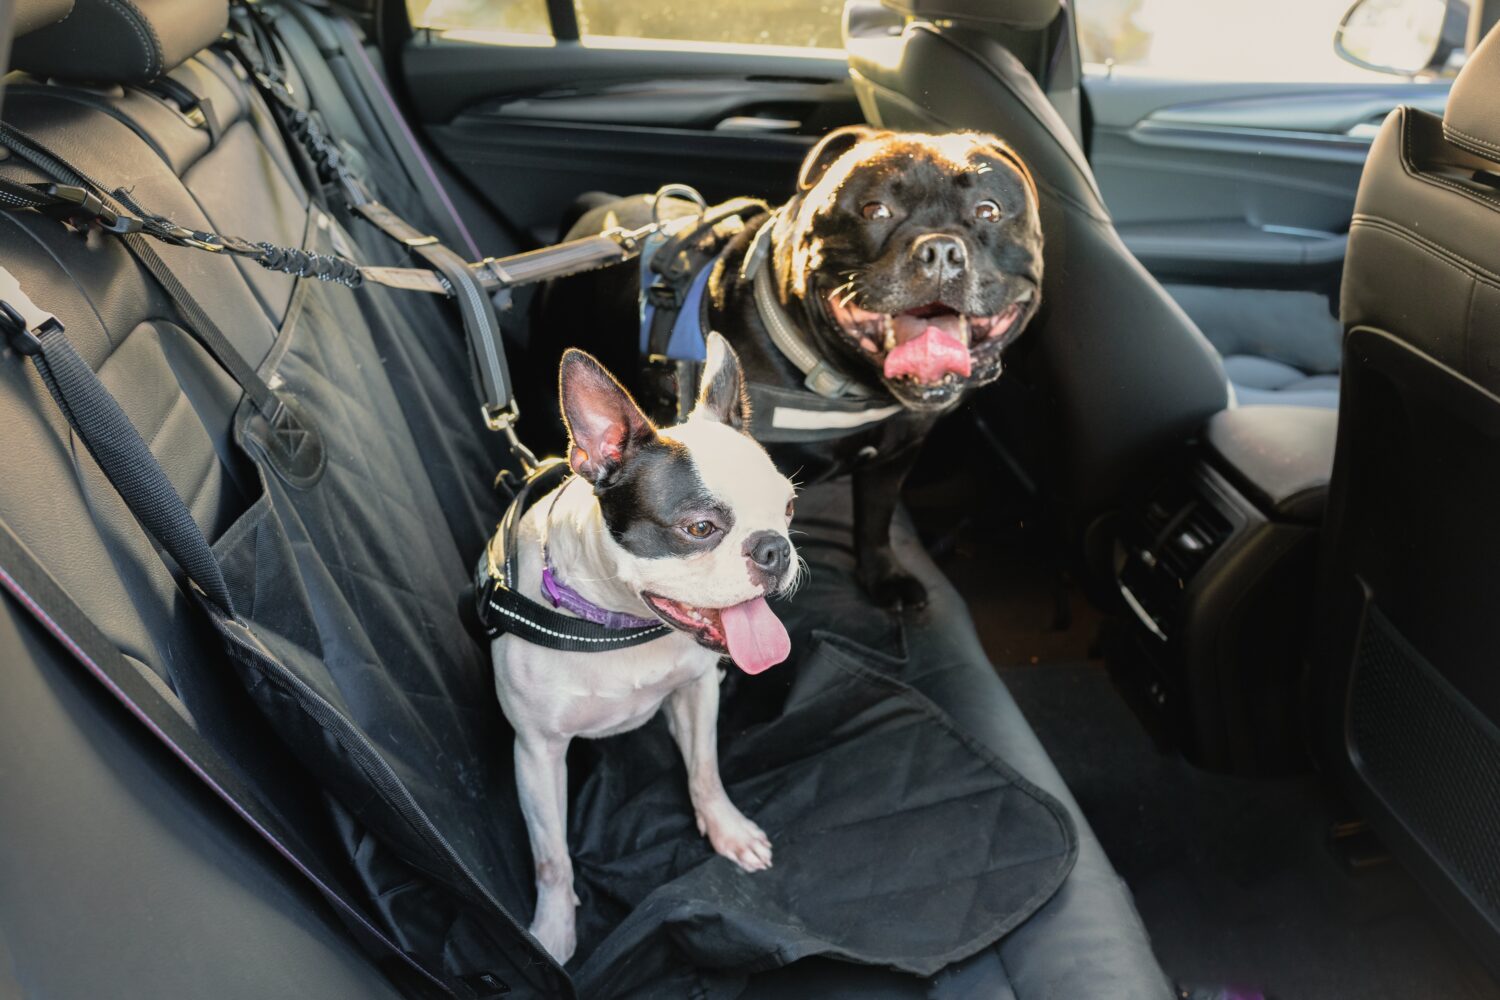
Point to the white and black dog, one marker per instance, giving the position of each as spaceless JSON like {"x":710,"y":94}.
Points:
{"x":688,"y":525}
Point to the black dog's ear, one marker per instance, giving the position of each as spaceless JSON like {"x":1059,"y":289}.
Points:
{"x":721,"y":393}
{"x":605,"y":427}
{"x":1000,"y":150}
{"x":830,"y":148}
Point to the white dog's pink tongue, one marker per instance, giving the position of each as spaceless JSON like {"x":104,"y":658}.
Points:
{"x":928,"y":356}
{"x":756,"y":638}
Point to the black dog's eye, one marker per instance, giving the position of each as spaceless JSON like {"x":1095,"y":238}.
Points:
{"x":876,"y":210}
{"x":987,"y":211}
{"x":700,"y":529}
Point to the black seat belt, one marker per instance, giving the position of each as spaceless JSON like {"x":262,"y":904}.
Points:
{"x":133,"y":470}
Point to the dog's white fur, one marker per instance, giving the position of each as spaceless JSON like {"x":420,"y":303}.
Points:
{"x":550,"y":697}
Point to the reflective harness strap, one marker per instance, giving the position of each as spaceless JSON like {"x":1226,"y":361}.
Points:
{"x":502,"y":609}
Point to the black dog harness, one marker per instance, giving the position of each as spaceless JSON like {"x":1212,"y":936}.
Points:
{"x":502,"y":608}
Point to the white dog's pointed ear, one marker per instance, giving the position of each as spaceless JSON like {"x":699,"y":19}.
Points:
{"x":830,"y":148}
{"x":605,"y":427}
{"x":721,"y":391}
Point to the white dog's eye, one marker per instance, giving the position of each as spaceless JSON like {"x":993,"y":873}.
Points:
{"x":791,"y":505}
{"x":876,"y":210}
{"x":700,"y":529}
{"x":987,"y":211}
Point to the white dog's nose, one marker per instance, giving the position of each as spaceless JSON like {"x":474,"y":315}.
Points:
{"x":770,"y":554}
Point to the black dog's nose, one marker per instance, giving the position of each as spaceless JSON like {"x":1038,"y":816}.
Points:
{"x":939,"y":255}
{"x":770,"y":553}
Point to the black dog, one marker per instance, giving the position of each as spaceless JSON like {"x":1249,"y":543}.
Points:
{"x":904,"y":263}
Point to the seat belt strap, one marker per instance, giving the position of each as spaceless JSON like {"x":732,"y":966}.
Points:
{"x":109,"y":436}
{"x":475,"y":308}
{"x":399,"y":137}
{"x":481,"y":325}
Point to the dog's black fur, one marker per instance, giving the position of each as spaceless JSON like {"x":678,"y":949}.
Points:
{"x":830,"y":242}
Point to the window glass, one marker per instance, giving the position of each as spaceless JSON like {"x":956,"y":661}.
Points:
{"x":800,"y":23}
{"x":1268,"y":40}
{"x":521,"y":17}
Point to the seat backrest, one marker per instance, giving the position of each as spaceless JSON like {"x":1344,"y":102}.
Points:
{"x":1126,"y":373}
{"x":1411,"y":554}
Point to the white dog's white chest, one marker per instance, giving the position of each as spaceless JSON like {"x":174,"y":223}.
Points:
{"x":593,"y":694}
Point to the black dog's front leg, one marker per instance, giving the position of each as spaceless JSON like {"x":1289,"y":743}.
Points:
{"x":877,"y":490}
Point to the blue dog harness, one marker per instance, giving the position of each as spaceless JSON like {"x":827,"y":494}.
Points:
{"x":675,"y":267}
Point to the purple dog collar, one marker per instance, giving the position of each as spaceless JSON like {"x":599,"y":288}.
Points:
{"x":565,"y":597}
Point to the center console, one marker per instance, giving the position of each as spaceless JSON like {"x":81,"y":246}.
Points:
{"x":1216,"y":567}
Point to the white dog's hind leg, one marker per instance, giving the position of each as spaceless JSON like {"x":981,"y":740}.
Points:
{"x":693,"y":717}
{"x":542,"y":783}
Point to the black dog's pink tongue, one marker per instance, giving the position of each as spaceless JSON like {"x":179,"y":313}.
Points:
{"x":756,"y":638}
{"x":928,"y":357}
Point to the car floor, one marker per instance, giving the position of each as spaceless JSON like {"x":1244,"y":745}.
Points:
{"x":1234,"y":877}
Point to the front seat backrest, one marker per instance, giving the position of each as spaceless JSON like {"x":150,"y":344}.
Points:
{"x":1129,"y":375}
{"x":1410,"y":567}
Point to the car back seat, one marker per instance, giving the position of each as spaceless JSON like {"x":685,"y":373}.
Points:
{"x":122,"y":877}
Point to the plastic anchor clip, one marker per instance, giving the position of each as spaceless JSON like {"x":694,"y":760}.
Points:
{"x":20,"y":333}
{"x":82,"y":209}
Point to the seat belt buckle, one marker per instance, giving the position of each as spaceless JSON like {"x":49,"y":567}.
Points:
{"x":22,"y":320}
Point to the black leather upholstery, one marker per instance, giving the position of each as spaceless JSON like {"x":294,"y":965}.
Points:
{"x":1281,"y":456}
{"x":1403,"y":654}
{"x":1017,"y":13}
{"x":121,"y":41}
{"x":102,"y":831}
{"x":1129,"y":374}
{"x":1471,"y":120}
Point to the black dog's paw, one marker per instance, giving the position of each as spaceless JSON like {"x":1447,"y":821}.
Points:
{"x":892,"y":587}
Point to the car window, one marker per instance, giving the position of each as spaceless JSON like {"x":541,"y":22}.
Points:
{"x":1265,"y":40}
{"x":797,"y":23}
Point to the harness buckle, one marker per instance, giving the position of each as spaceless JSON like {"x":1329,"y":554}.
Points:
{"x":83,"y":208}
{"x":825,"y":380}
{"x":664,"y":295}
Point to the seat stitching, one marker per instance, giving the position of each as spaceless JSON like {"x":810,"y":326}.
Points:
{"x":1438,"y":253}
{"x":130,"y":14}
{"x":1485,"y":144}
{"x":1408,"y":166}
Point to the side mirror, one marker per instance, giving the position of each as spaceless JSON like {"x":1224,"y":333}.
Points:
{"x":1405,"y":37}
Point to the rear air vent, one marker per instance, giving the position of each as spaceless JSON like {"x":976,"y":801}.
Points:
{"x":1187,"y":541}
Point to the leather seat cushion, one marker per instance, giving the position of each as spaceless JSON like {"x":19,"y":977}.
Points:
{"x":1260,"y":380}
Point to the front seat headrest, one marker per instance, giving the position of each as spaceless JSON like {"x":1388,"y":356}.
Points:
{"x":122,"y":41}
{"x":32,"y":14}
{"x":1029,"y":14}
{"x":1472,"y":119}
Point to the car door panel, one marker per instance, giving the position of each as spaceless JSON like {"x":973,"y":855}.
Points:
{"x":532,"y":126}
{"x":1242,"y":186}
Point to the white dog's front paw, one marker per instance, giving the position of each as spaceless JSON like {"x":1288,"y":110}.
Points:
{"x":735,"y":837}
{"x":554,"y":927}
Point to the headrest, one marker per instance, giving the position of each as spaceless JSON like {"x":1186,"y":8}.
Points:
{"x":121,"y":41}
{"x":32,"y":14}
{"x":1013,"y":13}
{"x":1472,"y":119}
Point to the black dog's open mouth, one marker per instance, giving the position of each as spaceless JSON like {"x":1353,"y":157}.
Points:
{"x":928,"y":344}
